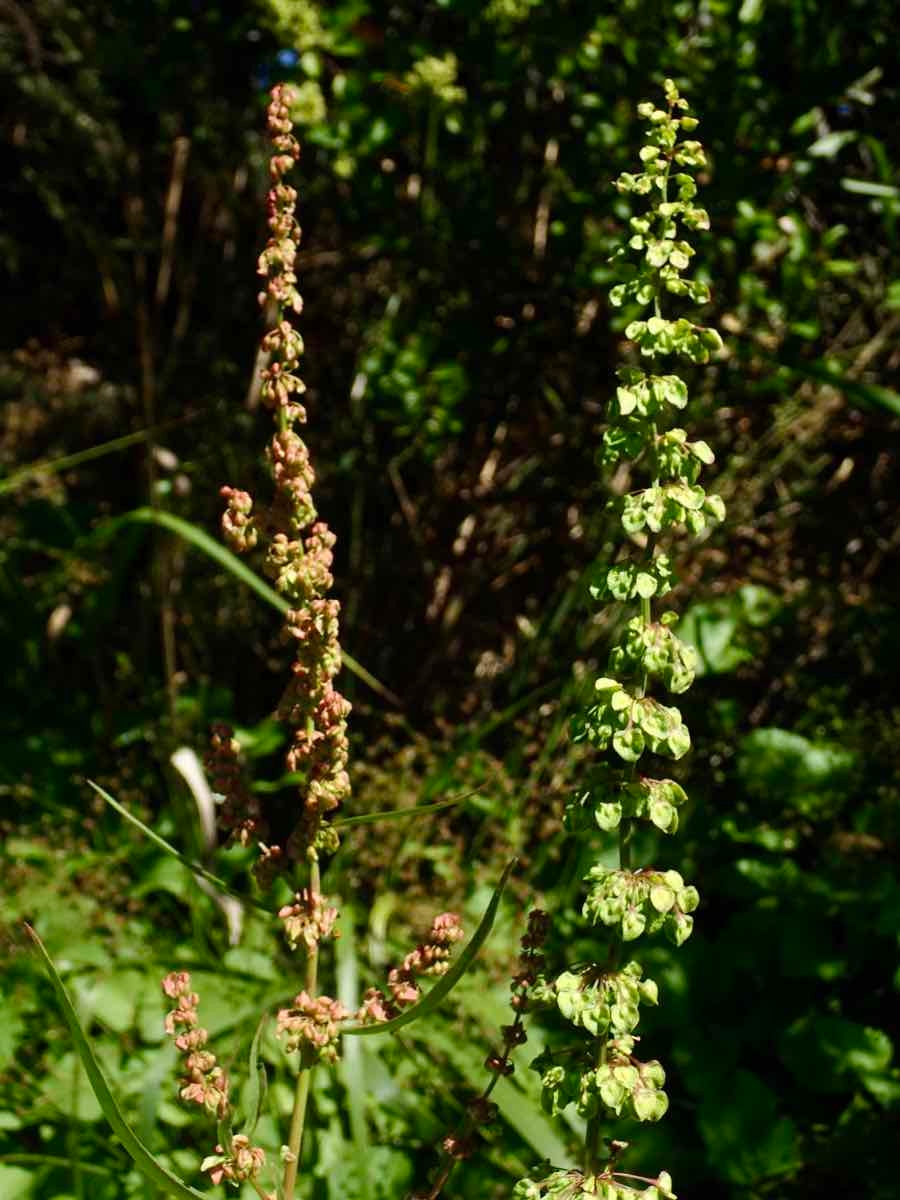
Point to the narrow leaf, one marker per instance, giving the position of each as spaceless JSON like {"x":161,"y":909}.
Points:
{"x":51,"y":1160}
{"x":867,"y":187}
{"x":399,"y":813}
{"x":352,"y":1068}
{"x":54,"y":465}
{"x":255,"y":1088}
{"x":867,"y":395}
{"x":225,"y":1134}
{"x":201,"y":540}
{"x":188,"y":863}
{"x":140,"y":1155}
{"x":447,"y":982}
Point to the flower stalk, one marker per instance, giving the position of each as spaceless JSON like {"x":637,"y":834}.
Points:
{"x":304,"y":1077}
{"x":481,"y":1111}
{"x":298,"y":544}
{"x":298,"y":549}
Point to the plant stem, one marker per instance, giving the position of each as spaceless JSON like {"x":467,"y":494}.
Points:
{"x":304,"y":1078}
{"x":429,"y":199}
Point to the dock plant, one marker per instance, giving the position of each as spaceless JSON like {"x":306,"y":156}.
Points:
{"x":598,"y":1063}
{"x":595,"y":1064}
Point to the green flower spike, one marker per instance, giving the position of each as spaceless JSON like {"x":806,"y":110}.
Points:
{"x":629,"y":719}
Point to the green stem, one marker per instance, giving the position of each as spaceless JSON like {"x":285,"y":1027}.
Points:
{"x":304,"y":1078}
{"x":592,"y":1134}
{"x":429,"y":198}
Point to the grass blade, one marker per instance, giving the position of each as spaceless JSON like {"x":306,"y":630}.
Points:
{"x":201,"y":540}
{"x":52,"y":466}
{"x":398,"y":813}
{"x":866,"y":395}
{"x":50,"y":1160}
{"x":447,"y":982}
{"x":161,"y":842}
{"x":138,"y":1152}
{"x":255,"y":1089}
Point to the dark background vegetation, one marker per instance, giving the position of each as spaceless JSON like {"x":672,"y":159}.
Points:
{"x":460,"y":352}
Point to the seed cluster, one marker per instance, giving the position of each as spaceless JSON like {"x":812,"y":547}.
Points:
{"x":431,"y":957}
{"x":298,"y":543}
{"x":206,"y":1083}
{"x":599,"y":1073}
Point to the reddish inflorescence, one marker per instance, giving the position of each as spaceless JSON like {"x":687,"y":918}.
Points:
{"x":312,"y":1026}
{"x":432,"y":957}
{"x":309,"y":919}
{"x":298,"y":544}
{"x":206,"y":1083}
{"x":239,"y":810}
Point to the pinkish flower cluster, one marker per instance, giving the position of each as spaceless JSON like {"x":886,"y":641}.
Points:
{"x":243,"y":1162}
{"x":294,"y":476}
{"x":298,"y":545}
{"x":206,"y":1083}
{"x":432,"y":957}
{"x":309,"y":919}
{"x":312,"y":1026}
{"x":237,"y":523}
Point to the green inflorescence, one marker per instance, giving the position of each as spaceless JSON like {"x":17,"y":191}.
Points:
{"x":593,"y":1064}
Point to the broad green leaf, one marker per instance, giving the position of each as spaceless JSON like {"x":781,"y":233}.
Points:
{"x":447,"y":982}
{"x":15,"y":1184}
{"x":140,"y":1155}
{"x":113,"y":998}
{"x":719,"y":630}
{"x":746,"y":1139}
{"x":67,"y":1089}
{"x":783,"y":769}
{"x":825,"y":1052}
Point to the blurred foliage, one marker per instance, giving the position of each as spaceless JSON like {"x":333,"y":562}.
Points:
{"x":458,"y":218}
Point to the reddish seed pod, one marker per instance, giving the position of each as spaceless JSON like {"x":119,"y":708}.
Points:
{"x":483,"y":1112}
{"x":458,"y":1147}
{"x":500,"y":1065}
